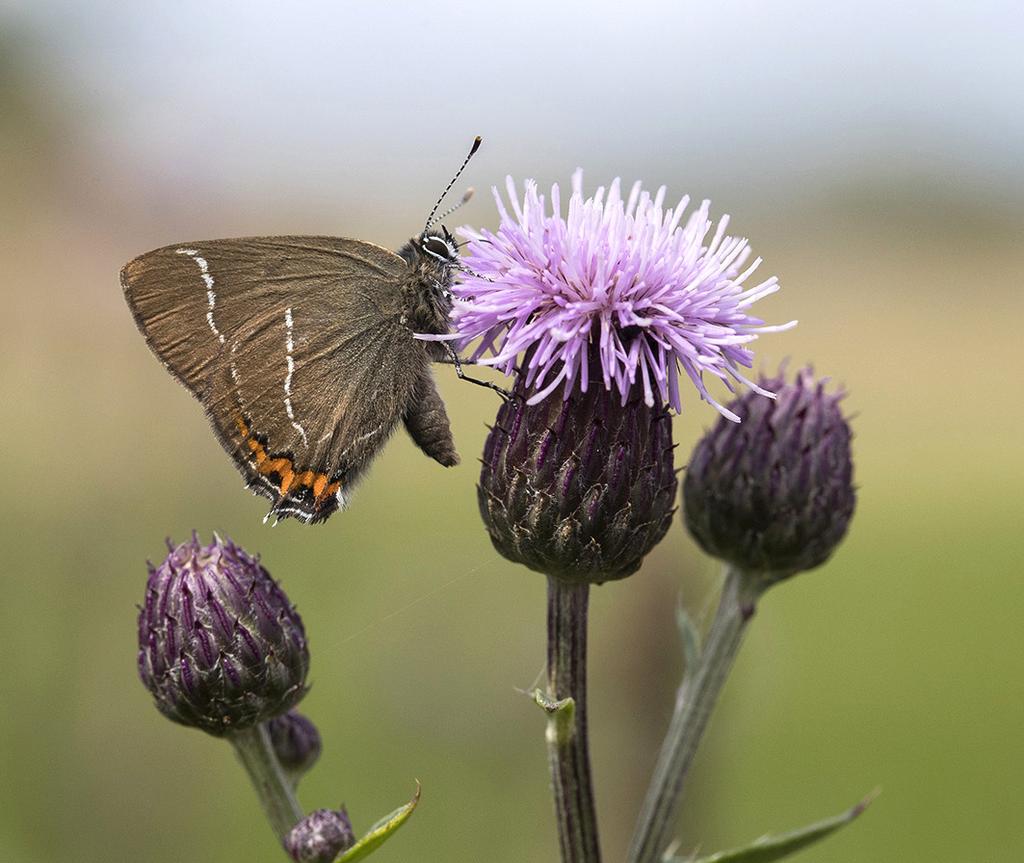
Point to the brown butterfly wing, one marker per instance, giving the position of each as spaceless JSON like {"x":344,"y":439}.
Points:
{"x":296,"y":346}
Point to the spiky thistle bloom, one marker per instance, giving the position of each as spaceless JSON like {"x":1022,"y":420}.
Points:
{"x":627,"y":282}
{"x":774,"y":495}
{"x":320,"y":837}
{"x":579,"y":489}
{"x":296,"y":742}
{"x":220,"y":646}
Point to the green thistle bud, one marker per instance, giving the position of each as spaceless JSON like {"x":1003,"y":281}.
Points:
{"x":296,"y":742}
{"x":320,"y":836}
{"x":773,"y":495}
{"x":220,"y":646}
{"x":578,"y":488}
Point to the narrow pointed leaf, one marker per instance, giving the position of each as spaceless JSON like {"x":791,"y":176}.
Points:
{"x":380,"y":832}
{"x":768,"y":849}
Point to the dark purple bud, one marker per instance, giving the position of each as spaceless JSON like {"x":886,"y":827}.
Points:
{"x":773,"y":495}
{"x":220,"y":646}
{"x":580,"y":488}
{"x":320,"y":836}
{"x":296,"y":742}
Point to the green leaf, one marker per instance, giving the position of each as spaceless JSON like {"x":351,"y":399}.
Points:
{"x":768,"y":849}
{"x":380,"y":832}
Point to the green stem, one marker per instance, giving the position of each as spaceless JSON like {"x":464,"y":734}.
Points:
{"x":694,"y":702}
{"x":256,"y":753}
{"x":568,"y":750}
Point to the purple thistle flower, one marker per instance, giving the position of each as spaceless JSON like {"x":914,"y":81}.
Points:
{"x":296,"y":741}
{"x":580,"y":489}
{"x":221,"y":648}
{"x":774,"y":496}
{"x":320,"y":837}
{"x":627,"y":281}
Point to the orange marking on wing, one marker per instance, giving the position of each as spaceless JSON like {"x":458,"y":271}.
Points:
{"x":274,"y":465}
{"x":258,"y":452}
{"x":319,"y":483}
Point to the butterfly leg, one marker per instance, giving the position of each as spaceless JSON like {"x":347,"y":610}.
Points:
{"x":462,"y":268}
{"x":454,"y":359}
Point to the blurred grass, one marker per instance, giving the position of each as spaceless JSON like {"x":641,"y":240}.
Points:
{"x":898,"y":664}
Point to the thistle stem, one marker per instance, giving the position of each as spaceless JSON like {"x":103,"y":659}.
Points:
{"x":694,"y":702}
{"x":256,"y":753}
{"x":566,"y":734}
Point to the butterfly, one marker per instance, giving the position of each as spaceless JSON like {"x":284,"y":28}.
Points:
{"x":302,"y":351}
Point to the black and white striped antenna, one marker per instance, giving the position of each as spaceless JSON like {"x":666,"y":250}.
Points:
{"x":431,"y":221}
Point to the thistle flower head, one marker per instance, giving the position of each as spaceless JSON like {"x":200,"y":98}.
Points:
{"x":628,"y":282}
{"x":580,"y":489}
{"x":296,"y":742}
{"x":774,"y":495}
{"x":320,"y":837}
{"x":220,"y":646}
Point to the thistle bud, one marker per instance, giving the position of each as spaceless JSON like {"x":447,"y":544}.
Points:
{"x":320,"y":836}
{"x":296,"y":742}
{"x":220,"y":646}
{"x":773,"y":494}
{"x":579,"y":488}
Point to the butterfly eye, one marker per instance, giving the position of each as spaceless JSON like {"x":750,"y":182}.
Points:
{"x":437,"y":247}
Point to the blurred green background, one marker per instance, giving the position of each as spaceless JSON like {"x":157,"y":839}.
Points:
{"x":873,"y":156}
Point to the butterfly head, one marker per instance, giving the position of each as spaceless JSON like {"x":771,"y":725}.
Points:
{"x":432,"y":257}
{"x":439,"y":245}
{"x":434,"y":251}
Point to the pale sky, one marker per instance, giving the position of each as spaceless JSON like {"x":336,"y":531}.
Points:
{"x":374,"y":97}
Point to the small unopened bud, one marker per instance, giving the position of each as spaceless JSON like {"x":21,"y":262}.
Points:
{"x":220,"y":646}
{"x":773,"y":495}
{"x":320,"y":836}
{"x":296,"y":742}
{"x":578,"y":488}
